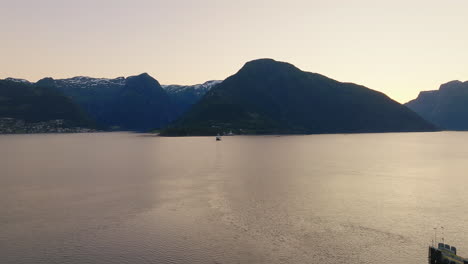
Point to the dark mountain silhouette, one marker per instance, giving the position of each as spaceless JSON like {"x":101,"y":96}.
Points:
{"x":133,"y":103}
{"x":446,"y":107}
{"x":142,"y":104}
{"x":38,"y":102}
{"x":267,"y":97}
{"x":96,"y":96}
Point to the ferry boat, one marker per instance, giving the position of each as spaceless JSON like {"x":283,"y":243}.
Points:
{"x":445,"y":254}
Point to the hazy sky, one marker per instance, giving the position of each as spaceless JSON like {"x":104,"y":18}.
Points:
{"x":398,"y":47}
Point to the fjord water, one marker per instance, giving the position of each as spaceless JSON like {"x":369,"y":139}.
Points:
{"x":132,"y":198}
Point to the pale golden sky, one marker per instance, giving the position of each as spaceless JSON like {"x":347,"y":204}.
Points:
{"x":399,"y":47}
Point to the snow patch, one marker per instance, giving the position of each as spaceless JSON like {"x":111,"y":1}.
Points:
{"x":89,"y":82}
{"x":17,"y":80}
{"x":175,"y":88}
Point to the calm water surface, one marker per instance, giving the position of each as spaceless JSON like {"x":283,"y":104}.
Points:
{"x":129,"y":198}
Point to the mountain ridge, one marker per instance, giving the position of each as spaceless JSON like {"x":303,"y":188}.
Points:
{"x":266,"y":96}
{"x":35,"y":103}
{"x":111,"y":102}
{"x":446,"y":107}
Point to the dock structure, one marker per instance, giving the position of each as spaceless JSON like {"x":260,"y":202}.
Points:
{"x":445,"y":254}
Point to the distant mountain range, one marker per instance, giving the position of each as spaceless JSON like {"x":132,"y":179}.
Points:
{"x":269,"y":97}
{"x":34,"y":103}
{"x":134,"y":103}
{"x":446,"y":107}
{"x":263,"y":97}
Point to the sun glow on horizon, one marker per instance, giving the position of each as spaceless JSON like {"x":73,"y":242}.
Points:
{"x":398,"y":47}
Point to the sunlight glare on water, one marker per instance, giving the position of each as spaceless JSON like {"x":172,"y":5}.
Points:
{"x":132,"y":198}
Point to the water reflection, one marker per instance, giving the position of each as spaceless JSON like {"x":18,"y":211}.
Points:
{"x":120,"y":197}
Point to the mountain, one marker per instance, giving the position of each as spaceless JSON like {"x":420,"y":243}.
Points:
{"x":269,"y":97}
{"x":17,"y":80}
{"x":32,"y":103}
{"x":95,"y":96}
{"x":184,"y":96}
{"x":143,"y":104}
{"x":446,"y":107}
{"x":132,"y":103}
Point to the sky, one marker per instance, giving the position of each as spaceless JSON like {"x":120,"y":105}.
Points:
{"x":398,"y":47}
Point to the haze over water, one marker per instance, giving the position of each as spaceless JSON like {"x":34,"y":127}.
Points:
{"x":130,"y":198}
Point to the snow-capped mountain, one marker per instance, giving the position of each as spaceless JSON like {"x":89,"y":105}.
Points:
{"x":83,"y":82}
{"x":184,"y":96}
{"x":136,"y":102}
{"x":80,"y":82}
{"x":16,"y":80}
{"x":199,"y":88}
